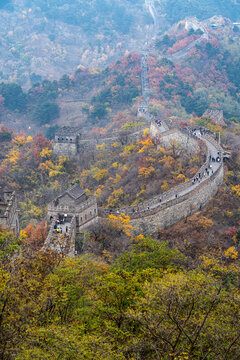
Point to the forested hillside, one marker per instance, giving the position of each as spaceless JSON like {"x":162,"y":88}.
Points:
{"x":177,"y":10}
{"x":153,"y":302}
{"x":206,"y":76}
{"x":40,"y":40}
{"x":87,"y":98}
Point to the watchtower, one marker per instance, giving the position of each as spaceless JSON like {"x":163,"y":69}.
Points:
{"x":66,"y":141}
{"x":74,"y":202}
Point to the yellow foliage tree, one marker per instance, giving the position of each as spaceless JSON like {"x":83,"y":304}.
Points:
{"x":88,"y":192}
{"x":236,"y":190}
{"x":99,"y":174}
{"x":146,"y":144}
{"x":145,"y":172}
{"x":12,"y":157}
{"x":116,"y":144}
{"x":161,"y":150}
{"x":146,"y":132}
{"x":150,"y":159}
{"x":231,"y":253}
{"x":128,"y":149}
{"x":54,"y":169}
{"x":181,"y":178}
{"x":46,"y":153}
{"x":101,"y":147}
{"x":115,"y":165}
{"x":117,"y":179}
{"x":165,"y":186}
{"x":114,"y":199}
{"x":121,"y":223}
{"x":29,"y":139}
{"x":85,"y":173}
{"x":98,"y":192}
{"x":19,"y":140}
{"x":205,"y":223}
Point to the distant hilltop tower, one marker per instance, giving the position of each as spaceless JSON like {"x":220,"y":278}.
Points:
{"x":66,"y":141}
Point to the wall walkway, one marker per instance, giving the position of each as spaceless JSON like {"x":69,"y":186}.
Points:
{"x":165,"y":209}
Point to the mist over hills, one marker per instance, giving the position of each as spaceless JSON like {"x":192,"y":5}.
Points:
{"x":45,"y":39}
{"x":176,"y":10}
{"x":52,"y":38}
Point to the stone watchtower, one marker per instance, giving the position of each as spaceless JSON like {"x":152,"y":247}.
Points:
{"x":74,"y":203}
{"x":66,"y":141}
{"x":8,"y":211}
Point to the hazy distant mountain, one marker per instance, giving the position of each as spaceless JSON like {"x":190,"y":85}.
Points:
{"x":176,"y":10}
{"x":118,"y":13}
{"x":45,"y":39}
{"x":49,"y":38}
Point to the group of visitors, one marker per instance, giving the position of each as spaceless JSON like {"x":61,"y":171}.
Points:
{"x":158,"y":122}
{"x":201,"y":130}
{"x":217,"y":159}
{"x":57,"y":226}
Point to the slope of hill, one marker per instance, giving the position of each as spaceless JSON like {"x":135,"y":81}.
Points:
{"x":43,"y":39}
{"x":188,"y":72}
{"x":205,"y":75}
{"x":176,"y":10}
{"x":39,"y":41}
{"x":90,"y":98}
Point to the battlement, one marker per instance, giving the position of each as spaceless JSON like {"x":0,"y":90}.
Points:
{"x":67,"y":134}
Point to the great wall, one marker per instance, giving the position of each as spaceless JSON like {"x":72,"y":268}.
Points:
{"x":159,"y":212}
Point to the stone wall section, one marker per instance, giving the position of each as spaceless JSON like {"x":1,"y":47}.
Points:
{"x":87,"y":215}
{"x":175,"y":210}
{"x":175,"y":135}
{"x":65,"y":149}
{"x":136,"y":211}
{"x":172,"y":211}
{"x":69,"y":145}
